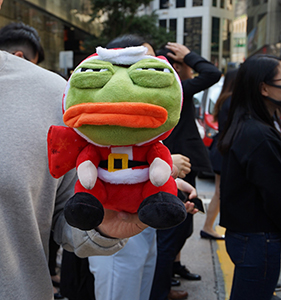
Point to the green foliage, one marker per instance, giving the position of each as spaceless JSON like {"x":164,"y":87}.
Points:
{"x":122,"y":6}
{"x":123,"y":19}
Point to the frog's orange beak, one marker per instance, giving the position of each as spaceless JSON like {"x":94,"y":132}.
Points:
{"x":125,"y":114}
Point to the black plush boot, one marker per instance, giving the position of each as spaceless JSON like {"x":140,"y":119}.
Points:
{"x":83,"y":211}
{"x":162,"y":211}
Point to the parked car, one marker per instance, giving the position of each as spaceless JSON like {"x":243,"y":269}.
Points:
{"x":204,"y":102}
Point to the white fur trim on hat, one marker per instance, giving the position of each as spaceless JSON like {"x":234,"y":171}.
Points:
{"x":126,"y":56}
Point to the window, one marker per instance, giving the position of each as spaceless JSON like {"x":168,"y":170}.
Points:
{"x":222,"y":3}
{"x":256,"y":2}
{"x":193,"y":34}
{"x":226,"y":36}
{"x":50,"y":28}
{"x":197,"y":3}
{"x":261,"y":16}
{"x":213,"y":95}
{"x":215,"y":3}
{"x":163,"y":23}
{"x":215,"y":40}
{"x":229,"y":5}
{"x":250,"y":24}
{"x":180,"y":3}
{"x":163,"y":4}
{"x":173,"y":27}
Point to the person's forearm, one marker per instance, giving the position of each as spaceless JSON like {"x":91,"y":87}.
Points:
{"x":85,"y":243}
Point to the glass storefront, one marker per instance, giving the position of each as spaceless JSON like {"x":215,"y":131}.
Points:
{"x":193,"y":34}
{"x":226,"y":37}
{"x":55,"y":33}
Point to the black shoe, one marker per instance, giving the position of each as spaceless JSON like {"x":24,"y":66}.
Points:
{"x":206,"y":235}
{"x":58,"y":296}
{"x":183,"y":272}
{"x":175,"y":282}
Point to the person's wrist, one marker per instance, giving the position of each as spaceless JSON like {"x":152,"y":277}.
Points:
{"x":97,"y":229}
{"x":186,"y":55}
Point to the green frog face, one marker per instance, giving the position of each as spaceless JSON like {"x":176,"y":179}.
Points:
{"x":122,"y":105}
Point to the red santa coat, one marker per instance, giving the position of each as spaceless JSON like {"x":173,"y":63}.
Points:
{"x":123,"y":172}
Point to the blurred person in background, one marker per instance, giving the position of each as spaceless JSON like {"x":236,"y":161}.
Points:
{"x":220,"y":115}
{"x":185,"y":140}
{"x":23,"y":41}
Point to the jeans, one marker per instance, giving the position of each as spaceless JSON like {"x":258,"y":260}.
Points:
{"x":256,"y":257}
{"x":169,"y":243}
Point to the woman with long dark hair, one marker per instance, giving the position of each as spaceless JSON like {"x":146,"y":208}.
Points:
{"x":251,"y":177}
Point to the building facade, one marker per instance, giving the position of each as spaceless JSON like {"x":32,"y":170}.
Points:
{"x":264,"y":27}
{"x":204,"y":26}
{"x":61,"y":24}
{"x":239,"y":39}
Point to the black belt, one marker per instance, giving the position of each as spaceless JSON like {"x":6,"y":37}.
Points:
{"x":118,"y":163}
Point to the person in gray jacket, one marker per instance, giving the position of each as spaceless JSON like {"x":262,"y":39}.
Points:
{"x":31,"y":200}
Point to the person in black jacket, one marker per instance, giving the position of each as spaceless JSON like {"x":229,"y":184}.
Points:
{"x":250,"y":179}
{"x":185,"y":140}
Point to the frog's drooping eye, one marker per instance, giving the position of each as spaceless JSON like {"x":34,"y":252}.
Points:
{"x":92,"y":75}
{"x":89,"y":70}
{"x":151,"y":73}
{"x":155,"y":69}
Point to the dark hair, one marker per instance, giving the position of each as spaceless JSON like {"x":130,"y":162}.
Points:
{"x":164,"y":51}
{"x":127,"y":40}
{"x":247,"y":99}
{"x":21,"y":37}
{"x":226,"y":91}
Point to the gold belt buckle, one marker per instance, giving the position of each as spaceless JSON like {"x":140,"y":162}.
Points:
{"x":113,"y":156}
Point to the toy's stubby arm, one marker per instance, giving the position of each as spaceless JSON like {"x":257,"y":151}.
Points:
{"x":159,"y":158}
{"x":64,"y":145}
{"x":86,"y":164}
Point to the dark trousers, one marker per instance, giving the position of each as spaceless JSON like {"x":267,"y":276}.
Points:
{"x":53,"y":249}
{"x":169,"y":243}
{"x":77,"y":282}
{"x":256,"y":257}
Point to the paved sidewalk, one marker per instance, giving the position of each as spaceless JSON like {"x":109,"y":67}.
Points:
{"x":199,"y":256}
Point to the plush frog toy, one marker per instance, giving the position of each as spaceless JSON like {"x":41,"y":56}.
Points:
{"x":118,"y":105}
